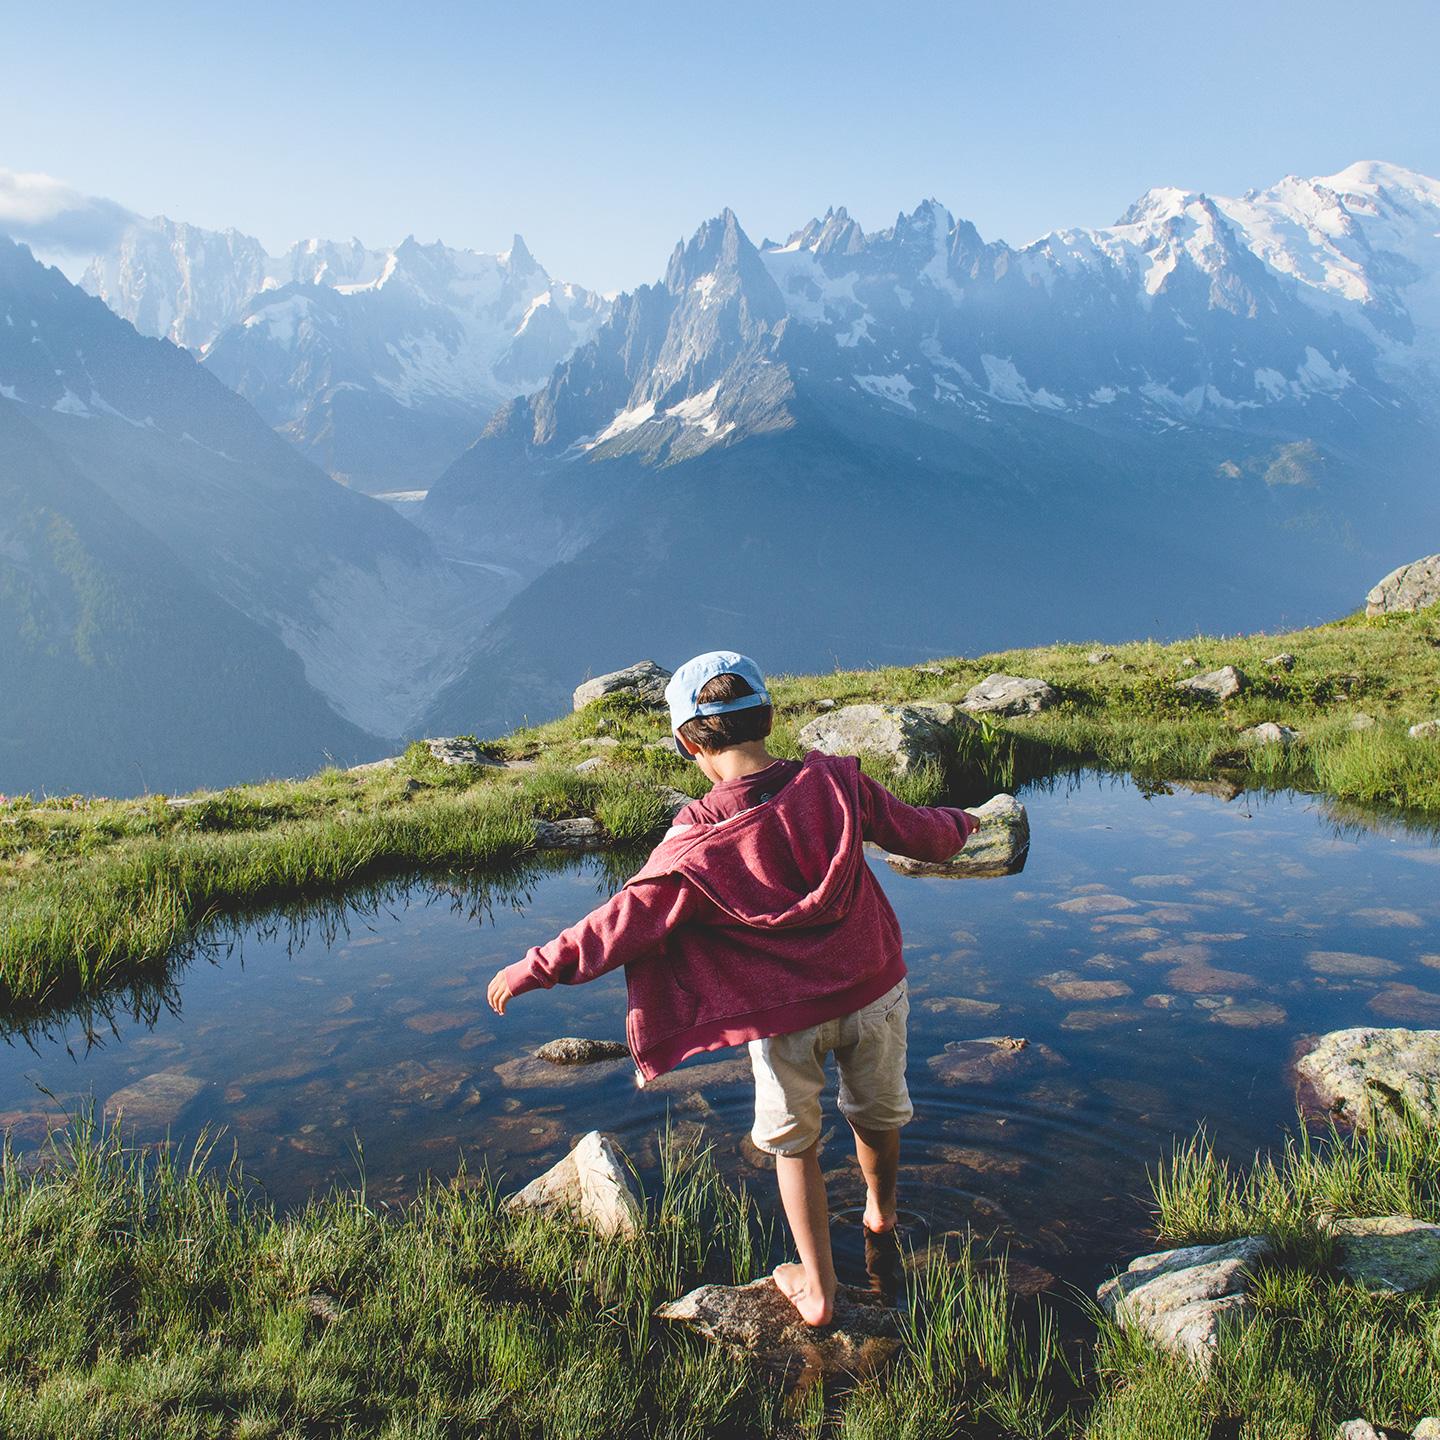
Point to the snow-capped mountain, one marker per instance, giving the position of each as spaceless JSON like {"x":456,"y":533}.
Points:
{"x":380,"y":365}
{"x":263,"y":558}
{"x":1204,"y":369}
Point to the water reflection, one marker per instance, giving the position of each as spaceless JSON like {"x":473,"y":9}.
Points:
{"x":1152,"y":968}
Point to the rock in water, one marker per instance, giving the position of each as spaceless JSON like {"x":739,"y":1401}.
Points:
{"x":998,"y":847}
{"x":645,"y":680}
{"x":757,"y":1322}
{"x":1222,"y":684}
{"x":1009,"y":695}
{"x":590,"y":1185}
{"x":1411,"y":587}
{"x":1390,"y":1253}
{"x":572,"y":1050}
{"x":906,"y":735}
{"x":1182,"y":1299}
{"x":157,"y":1100}
{"x":1353,"y":1071}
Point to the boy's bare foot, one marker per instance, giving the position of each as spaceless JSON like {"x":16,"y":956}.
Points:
{"x":876,"y":1221}
{"x":815,"y":1309}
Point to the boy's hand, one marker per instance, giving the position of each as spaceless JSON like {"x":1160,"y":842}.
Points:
{"x":499,"y":994}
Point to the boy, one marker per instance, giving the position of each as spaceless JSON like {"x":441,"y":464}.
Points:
{"x":756,"y":921}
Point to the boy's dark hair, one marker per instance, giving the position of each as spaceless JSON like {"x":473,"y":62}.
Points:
{"x":713,"y":733}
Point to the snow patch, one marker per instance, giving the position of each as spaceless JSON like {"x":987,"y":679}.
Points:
{"x":894,"y":388}
{"x":1007,"y":384}
{"x":625,"y":421}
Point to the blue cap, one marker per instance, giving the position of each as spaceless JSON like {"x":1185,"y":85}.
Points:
{"x":682,"y":694}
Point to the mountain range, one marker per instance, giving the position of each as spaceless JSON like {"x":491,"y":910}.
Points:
{"x":842,"y":447}
{"x":177,"y":585}
{"x":378,"y":365}
{"x":848,"y":447}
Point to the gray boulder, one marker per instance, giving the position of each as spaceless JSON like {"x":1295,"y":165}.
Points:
{"x":1358,"y":1430}
{"x":1362,"y":721}
{"x":156,"y":1101}
{"x":1427,"y":1429}
{"x":590,"y":1186}
{"x":1388,"y":1253}
{"x":1283,"y":661}
{"x":581,"y":833}
{"x":756,"y":1322}
{"x":455,"y":750}
{"x":1425,"y":730}
{"x":999,"y":847}
{"x":1411,"y":587}
{"x":906,"y":735}
{"x":1183,"y":1299}
{"x":1222,"y":684}
{"x":1354,"y":1071}
{"x":645,"y":680}
{"x":1269,"y":733}
{"x":1009,"y":695}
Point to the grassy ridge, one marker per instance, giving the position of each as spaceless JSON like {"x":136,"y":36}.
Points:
{"x":153,"y":1296}
{"x":94,"y":891}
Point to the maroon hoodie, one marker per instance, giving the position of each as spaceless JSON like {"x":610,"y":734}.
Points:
{"x":760,"y":924}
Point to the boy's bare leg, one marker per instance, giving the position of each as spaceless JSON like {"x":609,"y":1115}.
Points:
{"x":810,"y":1285}
{"x":878,"y":1152}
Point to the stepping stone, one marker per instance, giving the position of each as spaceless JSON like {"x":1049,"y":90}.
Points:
{"x":758,"y":1323}
{"x":999,"y":847}
{"x":591,"y":1186}
{"x":573,"y":1050}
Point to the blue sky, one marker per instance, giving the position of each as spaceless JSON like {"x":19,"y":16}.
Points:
{"x":606,"y":131}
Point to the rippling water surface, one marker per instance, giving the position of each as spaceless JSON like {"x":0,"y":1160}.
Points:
{"x":1161,"y":954}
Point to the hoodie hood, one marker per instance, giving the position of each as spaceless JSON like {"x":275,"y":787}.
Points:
{"x":789,"y":862}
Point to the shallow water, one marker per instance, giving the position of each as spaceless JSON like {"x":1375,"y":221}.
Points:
{"x":1162,"y":955}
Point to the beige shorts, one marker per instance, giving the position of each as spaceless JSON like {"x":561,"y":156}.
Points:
{"x":869,"y":1050}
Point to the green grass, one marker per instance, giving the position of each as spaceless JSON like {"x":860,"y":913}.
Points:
{"x":152,"y":1294}
{"x":1320,"y":1350}
{"x":94,"y":891}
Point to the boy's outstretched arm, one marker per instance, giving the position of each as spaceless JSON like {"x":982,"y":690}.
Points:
{"x":630,"y":924}
{"x":922,"y":832}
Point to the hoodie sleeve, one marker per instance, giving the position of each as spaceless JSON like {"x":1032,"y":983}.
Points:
{"x":922,"y":832}
{"x":630,"y":924}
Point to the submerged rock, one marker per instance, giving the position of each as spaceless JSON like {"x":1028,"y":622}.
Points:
{"x":590,"y":1185}
{"x":645,"y":680}
{"x":1010,"y":695}
{"x":572,"y":1050}
{"x":1183,"y":1299}
{"x":1222,"y":684}
{"x":1354,"y":1070}
{"x":1408,"y":588}
{"x":157,"y":1100}
{"x":990,"y":1059}
{"x":998,"y":847}
{"x":757,"y":1322}
{"x":1388,"y":1252}
{"x":906,"y":735}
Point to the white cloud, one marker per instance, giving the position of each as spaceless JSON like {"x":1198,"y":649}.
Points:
{"x":49,"y":213}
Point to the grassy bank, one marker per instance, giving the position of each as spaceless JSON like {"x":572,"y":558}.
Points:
{"x":148,"y":1296}
{"x":93,"y":891}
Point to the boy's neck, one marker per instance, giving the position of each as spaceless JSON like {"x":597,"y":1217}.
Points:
{"x":738,"y":760}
